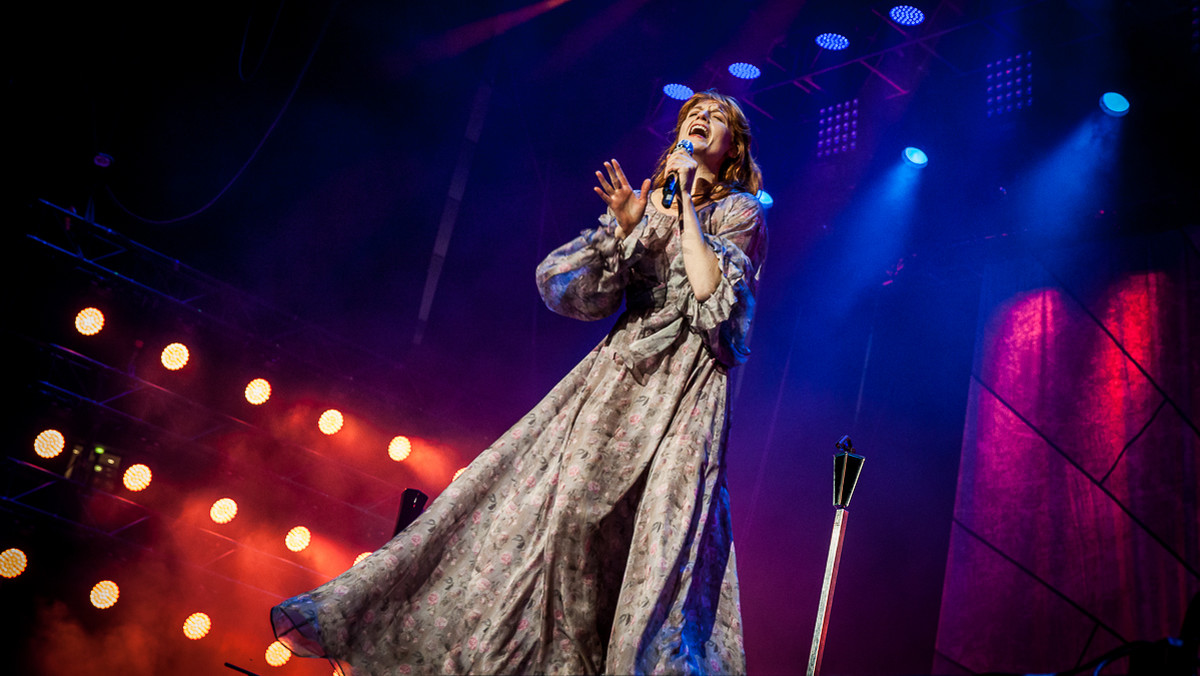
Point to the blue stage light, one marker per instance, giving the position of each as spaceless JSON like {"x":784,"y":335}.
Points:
{"x":832,"y":41}
{"x":678,"y":92}
{"x":906,"y":15}
{"x":915,"y":157}
{"x":765,"y":199}
{"x":1114,"y":104}
{"x":745,"y":71}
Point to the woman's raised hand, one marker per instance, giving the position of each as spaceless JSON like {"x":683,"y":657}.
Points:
{"x":626,"y":205}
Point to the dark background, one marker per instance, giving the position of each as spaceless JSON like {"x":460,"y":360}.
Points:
{"x":306,"y":155}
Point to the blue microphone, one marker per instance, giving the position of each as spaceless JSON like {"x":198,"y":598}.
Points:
{"x":671,"y":187}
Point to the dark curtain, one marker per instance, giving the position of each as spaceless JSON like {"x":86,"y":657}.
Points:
{"x":1075,"y":522}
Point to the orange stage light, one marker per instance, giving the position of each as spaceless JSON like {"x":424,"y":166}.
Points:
{"x":456,"y":474}
{"x":399,"y":448}
{"x":331,"y":421}
{"x":223,"y":510}
{"x":89,"y":321}
{"x":196,"y":626}
{"x":358,"y":559}
{"x":298,"y":539}
{"x":105,"y":594}
{"x":137,"y":477}
{"x":278,"y":654}
{"x":175,"y":356}
{"x":258,"y":391}
{"x":12,"y":562}
{"x":49,"y":444}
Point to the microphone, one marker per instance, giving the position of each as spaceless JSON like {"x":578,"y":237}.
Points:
{"x":671,"y":187}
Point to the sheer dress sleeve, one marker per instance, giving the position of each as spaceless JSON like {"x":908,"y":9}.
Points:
{"x":586,"y":277}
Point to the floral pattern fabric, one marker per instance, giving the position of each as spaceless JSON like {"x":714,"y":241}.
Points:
{"x":594,"y":535}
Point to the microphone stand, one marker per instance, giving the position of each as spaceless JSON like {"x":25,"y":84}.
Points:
{"x":846,"y":467}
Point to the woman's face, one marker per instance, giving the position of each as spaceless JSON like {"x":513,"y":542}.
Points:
{"x":706,"y":126}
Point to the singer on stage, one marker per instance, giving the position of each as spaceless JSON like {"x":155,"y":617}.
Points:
{"x":594,"y":536}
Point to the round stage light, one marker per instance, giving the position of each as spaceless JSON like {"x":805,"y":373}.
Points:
{"x":175,"y":356}
{"x":678,"y":92}
{"x":258,"y":391}
{"x":49,"y":443}
{"x":358,"y":559}
{"x":137,"y":477}
{"x":298,"y":539}
{"x":104,"y":594}
{"x":1114,"y":104}
{"x":278,"y":654}
{"x":458,"y":473}
{"x":906,"y":15}
{"x":399,"y":448}
{"x":915,"y":157}
{"x":12,"y":562}
{"x":196,"y":626}
{"x":223,"y":510}
{"x":89,"y":321}
{"x":765,"y":199}
{"x":331,"y":421}
{"x":832,"y":41}
{"x":745,"y":71}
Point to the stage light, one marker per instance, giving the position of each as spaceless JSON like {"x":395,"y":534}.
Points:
{"x":1009,"y":84}
{"x":745,"y":71}
{"x":906,"y":15}
{"x":458,"y":473}
{"x":137,"y":477}
{"x":678,"y":92}
{"x":104,"y":594}
{"x":223,"y":510}
{"x":358,"y":559}
{"x":89,"y":321}
{"x":832,"y":41}
{"x":12,"y":562}
{"x":915,"y":157}
{"x":399,"y":448}
{"x":49,"y":443}
{"x":298,"y":539}
{"x":196,"y":626}
{"x":1114,"y":104}
{"x":175,"y":356}
{"x":278,"y":654}
{"x":258,"y":391}
{"x":837,"y":129}
{"x":765,"y":199}
{"x":331,"y":421}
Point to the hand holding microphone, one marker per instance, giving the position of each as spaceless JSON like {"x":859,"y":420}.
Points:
{"x":671,"y":187}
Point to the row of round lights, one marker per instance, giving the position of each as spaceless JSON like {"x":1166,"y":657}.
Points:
{"x":90,"y":321}
{"x":904,"y":15}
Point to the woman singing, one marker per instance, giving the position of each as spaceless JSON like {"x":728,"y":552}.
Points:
{"x":594,"y":536}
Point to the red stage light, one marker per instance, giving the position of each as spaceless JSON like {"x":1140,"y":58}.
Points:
{"x":258,"y":391}
{"x":175,"y":356}
{"x":89,"y":321}
{"x":105,"y":594}
{"x":49,"y":444}
{"x":137,"y":477}
{"x":12,"y":562}
{"x":331,"y":421}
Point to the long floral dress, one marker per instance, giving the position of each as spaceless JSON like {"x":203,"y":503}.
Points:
{"x":594,"y":536}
